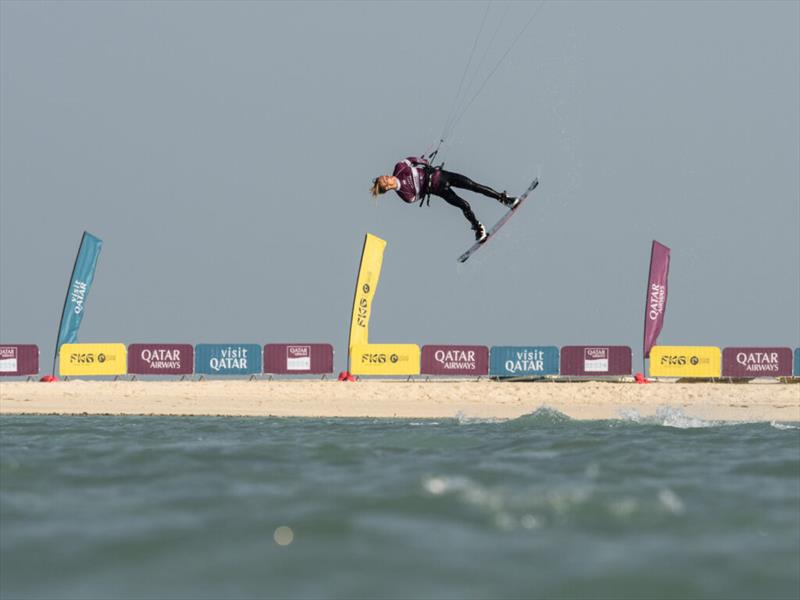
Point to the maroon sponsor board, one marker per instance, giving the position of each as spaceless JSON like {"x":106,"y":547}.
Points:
{"x":757,"y":362}
{"x":595,"y":361}
{"x":455,"y":360}
{"x":160,"y":359}
{"x":298,"y":359}
{"x":19,"y":359}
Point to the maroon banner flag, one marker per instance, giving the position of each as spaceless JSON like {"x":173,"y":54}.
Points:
{"x":656,"y":303}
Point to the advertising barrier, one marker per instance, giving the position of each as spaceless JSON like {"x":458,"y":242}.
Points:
{"x":227,"y":359}
{"x":385,"y":359}
{"x":685,"y":361}
{"x":92,"y":359}
{"x":19,"y":359}
{"x":298,"y":359}
{"x":523,"y":361}
{"x":757,"y":362}
{"x":797,"y":362}
{"x":455,"y":360}
{"x":596,"y":361}
{"x":160,"y":359}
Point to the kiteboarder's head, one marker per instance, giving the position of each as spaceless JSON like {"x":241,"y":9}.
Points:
{"x":382,"y":184}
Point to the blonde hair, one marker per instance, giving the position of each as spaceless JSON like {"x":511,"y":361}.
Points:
{"x":376,"y":188}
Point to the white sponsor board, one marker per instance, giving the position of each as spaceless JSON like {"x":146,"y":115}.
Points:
{"x":595,"y":360}
{"x":8,"y":359}
{"x":298,"y":358}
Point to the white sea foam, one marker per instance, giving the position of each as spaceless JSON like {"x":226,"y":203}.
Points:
{"x":463,"y":419}
{"x":539,"y":454}
{"x":674,"y":417}
{"x":529,"y":521}
{"x":528,"y":510}
{"x":668,"y":416}
{"x":470,"y":491}
{"x":671,"y":502}
{"x":435,"y":485}
{"x":784,"y":426}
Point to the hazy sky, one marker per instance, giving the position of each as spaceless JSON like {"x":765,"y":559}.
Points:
{"x":224,"y":151}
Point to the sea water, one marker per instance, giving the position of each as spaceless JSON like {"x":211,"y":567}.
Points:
{"x":541,"y":506}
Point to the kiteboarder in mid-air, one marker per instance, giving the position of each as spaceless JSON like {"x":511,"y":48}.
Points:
{"x":415,"y":179}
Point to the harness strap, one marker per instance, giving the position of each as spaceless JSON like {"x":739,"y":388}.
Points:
{"x":429,"y":171}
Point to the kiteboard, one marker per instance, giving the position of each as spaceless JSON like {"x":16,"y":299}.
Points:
{"x":505,"y":218}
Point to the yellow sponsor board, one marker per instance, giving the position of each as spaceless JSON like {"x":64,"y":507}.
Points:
{"x":93,"y":359}
{"x":384,"y":359}
{"x":685,"y":361}
{"x":369,"y":273}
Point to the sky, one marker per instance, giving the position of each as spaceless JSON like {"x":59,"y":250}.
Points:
{"x":224,"y":154}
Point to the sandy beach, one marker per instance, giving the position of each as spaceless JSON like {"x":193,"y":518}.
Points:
{"x":395,"y":399}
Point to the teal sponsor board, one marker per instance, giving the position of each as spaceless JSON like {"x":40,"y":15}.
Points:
{"x":227,"y":359}
{"x":797,"y":362}
{"x":523,"y":361}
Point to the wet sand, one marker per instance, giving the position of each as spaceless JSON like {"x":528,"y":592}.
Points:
{"x":401,"y":399}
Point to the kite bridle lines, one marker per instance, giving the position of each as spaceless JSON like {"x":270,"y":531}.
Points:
{"x":463,"y":99}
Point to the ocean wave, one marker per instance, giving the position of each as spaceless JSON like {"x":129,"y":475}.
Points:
{"x":544,"y":415}
{"x":669,"y":416}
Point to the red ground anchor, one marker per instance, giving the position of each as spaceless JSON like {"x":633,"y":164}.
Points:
{"x":640,"y":378}
{"x":346,"y":376}
{"x":49,"y":378}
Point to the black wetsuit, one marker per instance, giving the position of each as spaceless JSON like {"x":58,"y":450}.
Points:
{"x":443,"y":185}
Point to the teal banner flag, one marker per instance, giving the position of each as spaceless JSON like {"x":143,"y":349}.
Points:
{"x":78,"y":291}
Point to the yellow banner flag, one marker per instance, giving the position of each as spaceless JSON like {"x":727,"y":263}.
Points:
{"x":368,"y":275}
{"x":93,"y":359}
{"x":385,"y":359}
